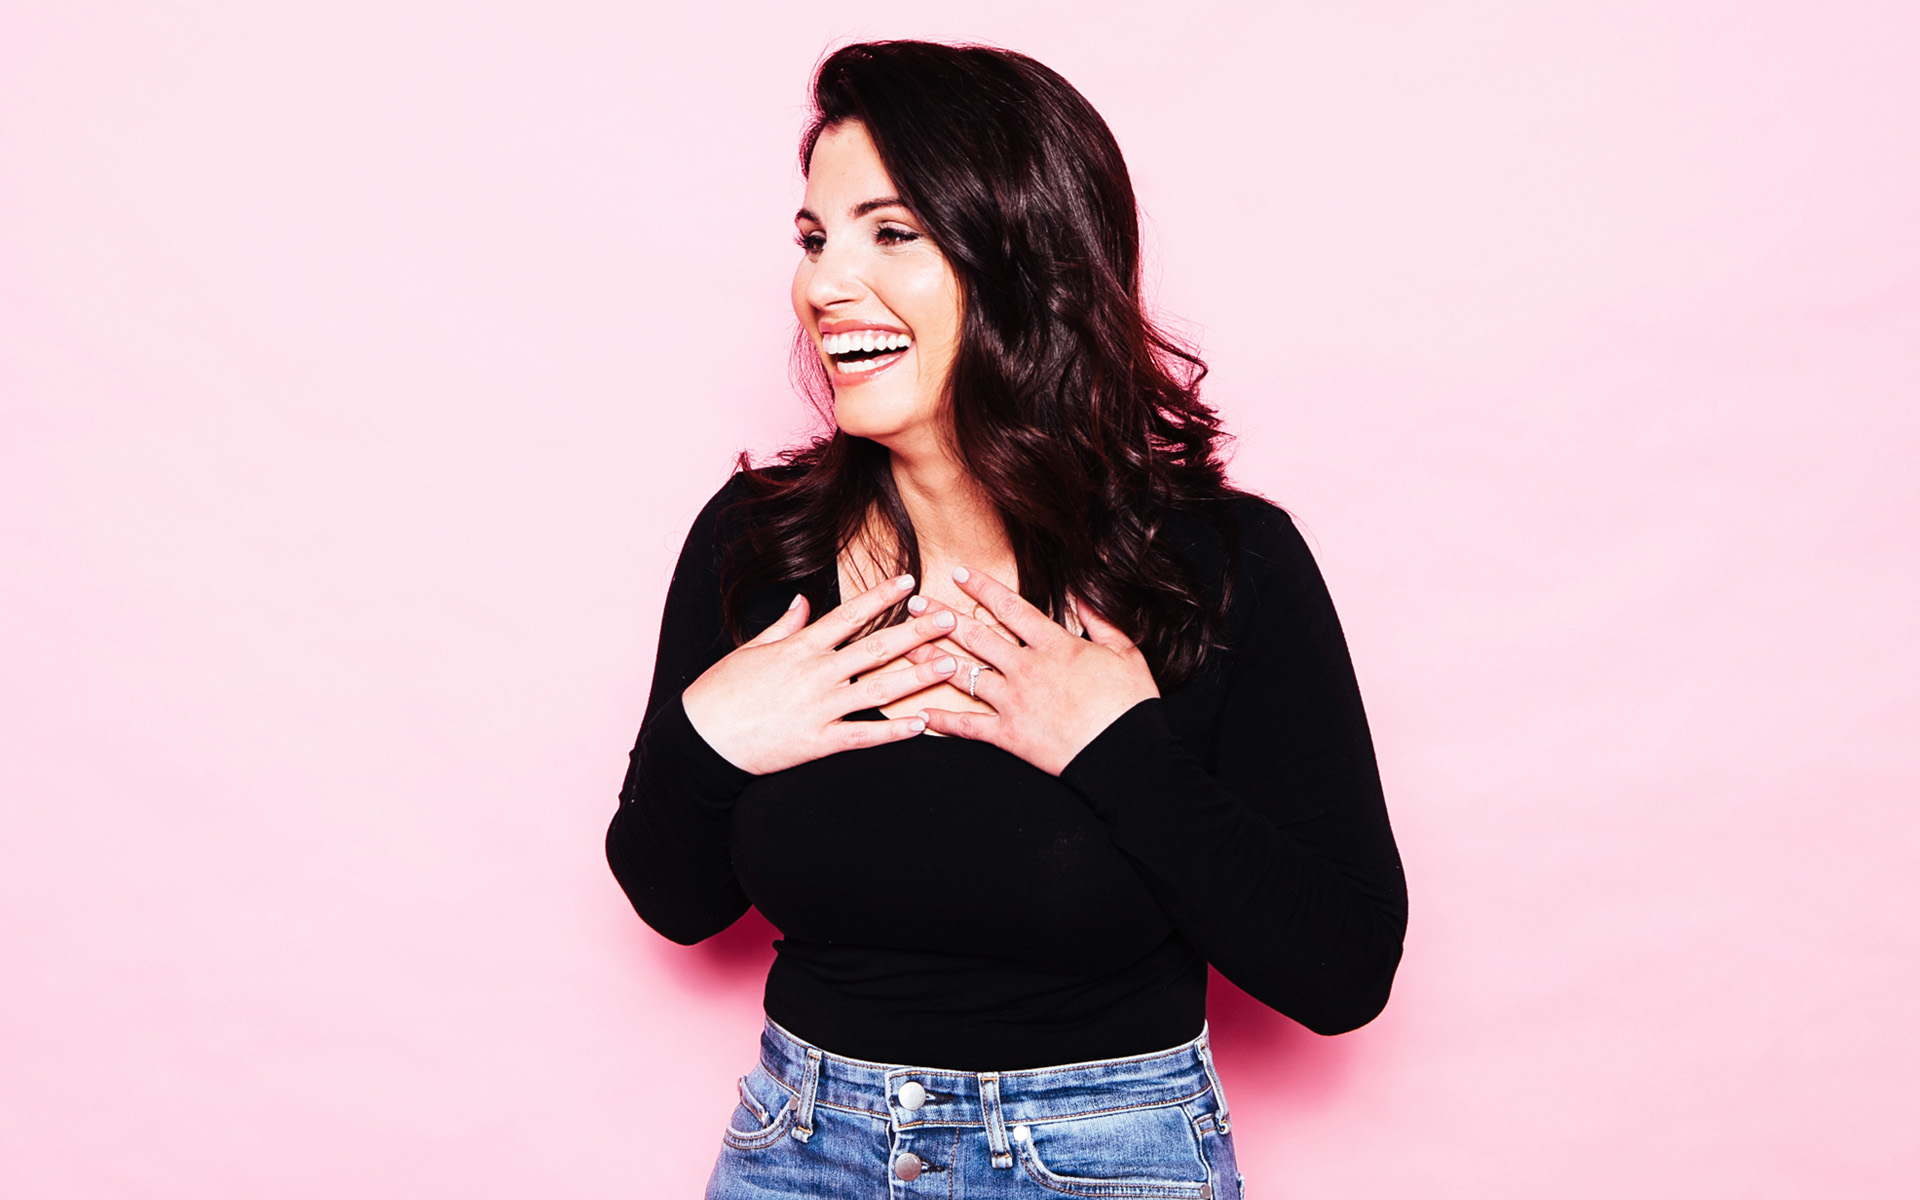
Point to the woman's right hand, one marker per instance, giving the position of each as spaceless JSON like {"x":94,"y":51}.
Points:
{"x":781,"y":699}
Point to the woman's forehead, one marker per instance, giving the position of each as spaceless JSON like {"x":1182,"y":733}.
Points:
{"x":847,"y":178}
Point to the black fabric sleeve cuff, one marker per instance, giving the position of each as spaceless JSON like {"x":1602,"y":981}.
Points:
{"x":1112,"y":766}
{"x":673,"y":745}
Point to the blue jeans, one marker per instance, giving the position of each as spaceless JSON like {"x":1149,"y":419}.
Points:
{"x":810,"y":1123}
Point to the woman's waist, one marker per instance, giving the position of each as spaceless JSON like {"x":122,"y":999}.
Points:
{"x":971,"y":1013}
{"x":910,"y":1095}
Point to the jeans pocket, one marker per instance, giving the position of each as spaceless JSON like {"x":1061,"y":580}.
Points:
{"x":1140,"y":1154}
{"x":760,"y":1120}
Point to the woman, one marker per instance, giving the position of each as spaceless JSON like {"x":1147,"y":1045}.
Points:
{"x":1003,"y":821}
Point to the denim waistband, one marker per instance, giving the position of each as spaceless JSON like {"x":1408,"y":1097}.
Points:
{"x":996,"y":1099}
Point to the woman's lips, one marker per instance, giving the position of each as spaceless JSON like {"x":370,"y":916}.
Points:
{"x":861,"y":370}
{"x":857,"y":353}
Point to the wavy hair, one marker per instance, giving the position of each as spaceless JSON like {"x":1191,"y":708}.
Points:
{"x":1075,"y":412}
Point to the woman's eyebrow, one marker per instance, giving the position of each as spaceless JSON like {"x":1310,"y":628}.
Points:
{"x":859,"y":210}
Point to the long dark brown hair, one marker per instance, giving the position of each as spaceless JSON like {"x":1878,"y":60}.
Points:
{"x":1077,"y":415}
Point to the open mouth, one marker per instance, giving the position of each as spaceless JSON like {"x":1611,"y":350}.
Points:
{"x":865,"y":351}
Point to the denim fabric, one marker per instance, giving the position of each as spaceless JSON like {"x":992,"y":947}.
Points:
{"x":809,"y":1123}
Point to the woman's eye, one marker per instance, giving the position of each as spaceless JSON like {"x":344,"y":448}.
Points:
{"x":812,"y":243}
{"x":893,"y":235}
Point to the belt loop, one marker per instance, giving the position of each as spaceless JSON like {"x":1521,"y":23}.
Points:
{"x":996,"y":1120}
{"x":809,"y":1087}
{"x":1213,"y":1078}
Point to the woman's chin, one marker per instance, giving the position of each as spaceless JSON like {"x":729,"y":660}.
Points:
{"x":857,"y":420}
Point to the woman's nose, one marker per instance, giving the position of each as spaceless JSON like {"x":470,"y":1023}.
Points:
{"x":834,"y":279}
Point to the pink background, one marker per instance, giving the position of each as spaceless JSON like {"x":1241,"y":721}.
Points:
{"x":361,"y":365}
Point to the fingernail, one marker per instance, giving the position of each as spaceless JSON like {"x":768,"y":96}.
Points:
{"x":917,"y":605}
{"x":959,"y":574}
{"x":904,"y":583}
{"x":795,"y":603}
{"x":922,"y":716}
{"x":943,"y":620}
{"x":917,"y":725}
{"x":946,"y":664}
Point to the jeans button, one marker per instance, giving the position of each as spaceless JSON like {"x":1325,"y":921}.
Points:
{"x":912,"y":1096}
{"x":907,"y":1167}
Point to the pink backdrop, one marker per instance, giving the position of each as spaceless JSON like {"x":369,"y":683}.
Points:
{"x":361,"y":365}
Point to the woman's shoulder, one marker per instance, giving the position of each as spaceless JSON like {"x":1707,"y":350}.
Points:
{"x":1242,"y":533}
{"x":1270,"y":539}
{"x":723,"y":510}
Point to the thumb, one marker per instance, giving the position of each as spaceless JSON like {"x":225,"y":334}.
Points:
{"x":1102,"y":631}
{"x":790,"y":622}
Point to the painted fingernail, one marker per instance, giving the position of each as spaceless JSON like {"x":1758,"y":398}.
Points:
{"x":917,"y":725}
{"x":796,"y":602}
{"x":945,"y":665}
{"x":904,"y":583}
{"x":917,"y":605}
{"x":943,"y":619}
{"x":922,"y":715}
{"x":959,"y":574}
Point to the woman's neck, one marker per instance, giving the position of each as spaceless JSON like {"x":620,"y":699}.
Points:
{"x":954,"y":520}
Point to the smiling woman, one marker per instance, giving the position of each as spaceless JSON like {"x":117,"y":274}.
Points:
{"x":875,"y":294}
{"x":1077,"y":721}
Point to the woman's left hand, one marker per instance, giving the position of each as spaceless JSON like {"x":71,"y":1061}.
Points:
{"x":1051,"y":695}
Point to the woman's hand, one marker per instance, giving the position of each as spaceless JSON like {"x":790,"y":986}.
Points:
{"x":1053,"y":694}
{"x":778,"y":700}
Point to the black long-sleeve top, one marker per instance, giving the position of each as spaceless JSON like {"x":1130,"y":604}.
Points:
{"x":945,"y":904}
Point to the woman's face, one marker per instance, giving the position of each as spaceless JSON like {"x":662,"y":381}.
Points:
{"x":876,"y":296}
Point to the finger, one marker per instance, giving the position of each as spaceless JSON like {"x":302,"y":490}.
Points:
{"x":852,"y":615}
{"x":923,"y":604}
{"x":989,"y":685}
{"x":980,"y":727}
{"x":855,"y":735}
{"x":1008,"y":606}
{"x":1102,"y":631}
{"x":983,"y":615}
{"x":884,"y":687}
{"x":926,"y":651}
{"x":885,"y":645}
{"x":985,"y":644}
{"x":896,"y":667}
{"x":790,"y":621}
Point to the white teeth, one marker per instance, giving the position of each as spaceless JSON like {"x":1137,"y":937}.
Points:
{"x":867,"y":340}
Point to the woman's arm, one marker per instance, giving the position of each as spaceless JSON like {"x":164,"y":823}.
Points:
{"x":668,"y":843}
{"x":1280,"y":864}
{"x":720,"y":714}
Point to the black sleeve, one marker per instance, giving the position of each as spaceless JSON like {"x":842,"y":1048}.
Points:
{"x":668,"y":843}
{"x":1279,"y":865}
